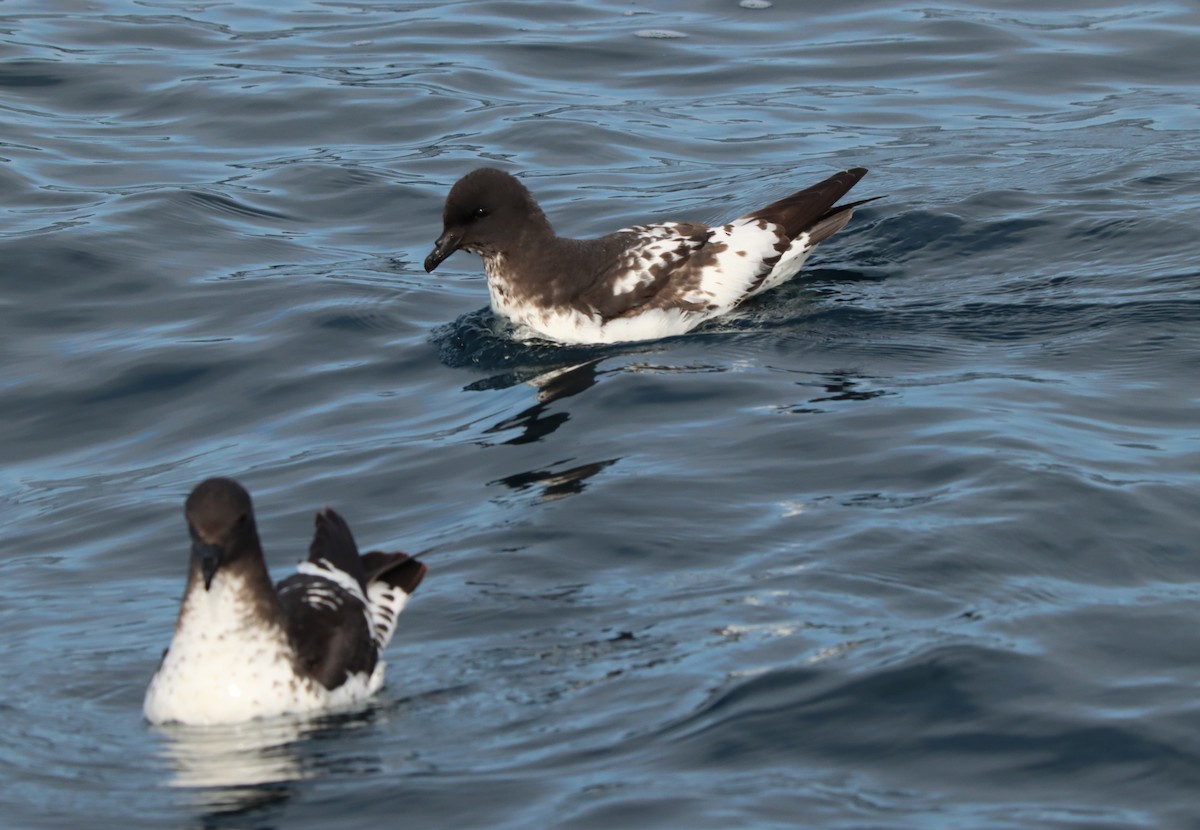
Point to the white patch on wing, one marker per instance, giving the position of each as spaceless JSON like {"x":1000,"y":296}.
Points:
{"x":789,"y":264}
{"x":385,"y":603}
{"x":630,"y":281}
{"x":324,"y":569}
{"x":663,"y":230}
{"x":322,"y":598}
{"x":735,"y":271}
{"x":658,"y":246}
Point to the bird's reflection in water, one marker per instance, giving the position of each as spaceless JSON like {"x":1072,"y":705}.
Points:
{"x":483,"y":341}
{"x":556,"y":485}
{"x":843,"y":386}
{"x":235,"y":772}
{"x":836,"y":387}
{"x":238,"y":770}
{"x":534,"y":422}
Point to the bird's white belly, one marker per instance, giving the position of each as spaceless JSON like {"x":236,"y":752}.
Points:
{"x":571,"y":326}
{"x":225,"y":665}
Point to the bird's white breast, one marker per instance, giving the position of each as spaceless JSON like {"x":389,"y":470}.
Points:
{"x":226,"y":664}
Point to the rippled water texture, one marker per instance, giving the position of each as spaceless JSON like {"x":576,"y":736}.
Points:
{"x":910,"y":542}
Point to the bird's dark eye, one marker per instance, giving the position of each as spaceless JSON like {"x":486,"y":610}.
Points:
{"x":480,"y":213}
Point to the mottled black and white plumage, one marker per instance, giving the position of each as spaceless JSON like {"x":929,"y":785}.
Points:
{"x":642,"y":282}
{"x":244,"y":648}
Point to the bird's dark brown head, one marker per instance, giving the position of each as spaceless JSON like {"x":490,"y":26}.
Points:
{"x":220,"y":520}
{"x":486,"y":212}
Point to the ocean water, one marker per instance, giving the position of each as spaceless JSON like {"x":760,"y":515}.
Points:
{"x":910,"y":542}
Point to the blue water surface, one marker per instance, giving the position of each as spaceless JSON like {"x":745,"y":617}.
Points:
{"x":909,"y":542}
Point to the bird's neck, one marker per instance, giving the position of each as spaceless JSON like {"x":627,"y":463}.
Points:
{"x":240,"y":590}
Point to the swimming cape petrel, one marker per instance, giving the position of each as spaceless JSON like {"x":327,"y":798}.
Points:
{"x":639,"y":283}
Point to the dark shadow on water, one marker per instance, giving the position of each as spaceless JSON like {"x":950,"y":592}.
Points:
{"x":555,"y":484}
{"x":482,"y":341}
{"x":837,"y":387}
{"x":534,"y":422}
